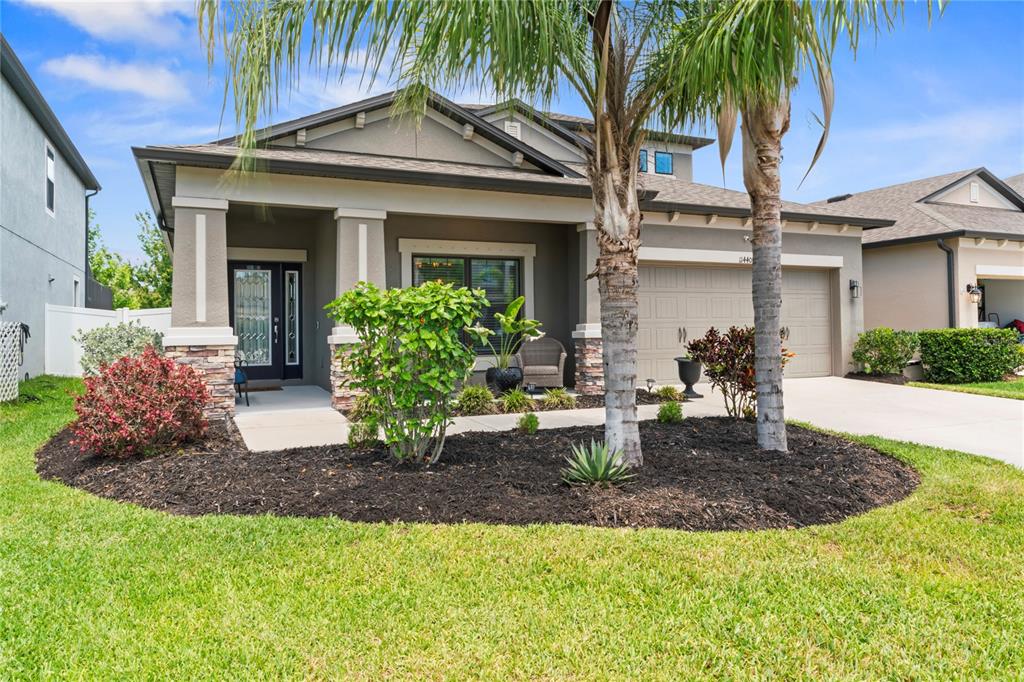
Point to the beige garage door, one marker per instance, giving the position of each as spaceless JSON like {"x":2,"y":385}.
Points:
{"x":679,"y":302}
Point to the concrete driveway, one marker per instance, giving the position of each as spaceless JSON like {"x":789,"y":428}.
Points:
{"x":978,"y":424}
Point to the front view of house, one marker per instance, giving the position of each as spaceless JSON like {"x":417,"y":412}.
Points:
{"x":488,"y":197}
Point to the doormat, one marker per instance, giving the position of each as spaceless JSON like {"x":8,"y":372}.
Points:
{"x":260,"y":389}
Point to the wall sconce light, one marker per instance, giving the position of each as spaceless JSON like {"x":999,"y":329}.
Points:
{"x":854,"y":289}
{"x":974,"y":293}
{"x":650,"y":385}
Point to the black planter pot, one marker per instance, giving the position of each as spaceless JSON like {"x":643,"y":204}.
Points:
{"x":689,"y":374}
{"x":501,"y":380}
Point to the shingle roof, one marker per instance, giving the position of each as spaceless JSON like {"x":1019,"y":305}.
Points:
{"x":917,"y":218}
{"x":1016,"y":182}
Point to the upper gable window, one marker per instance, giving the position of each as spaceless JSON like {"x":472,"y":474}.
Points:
{"x":663,"y":163}
{"x":513,"y":129}
{"x":643,"y":160}
{"x":51,"y":175}
{"x":975,"y":191}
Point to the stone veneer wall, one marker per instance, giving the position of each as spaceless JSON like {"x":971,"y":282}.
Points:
{"x":343,"y":396}
{"x":589,"y":367}
{"x":216,"y":364}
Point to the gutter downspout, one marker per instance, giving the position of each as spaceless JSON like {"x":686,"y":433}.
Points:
{"x":88,"y":272}
{"x":950,"y":282}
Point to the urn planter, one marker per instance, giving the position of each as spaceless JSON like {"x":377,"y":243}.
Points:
{"x":689,"y":374}
{"x":502,"y":380}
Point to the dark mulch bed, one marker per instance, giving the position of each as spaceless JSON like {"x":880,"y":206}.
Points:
{"x":642,"y":398}
{"x":702,"y":474}
{"x":897,"y":379}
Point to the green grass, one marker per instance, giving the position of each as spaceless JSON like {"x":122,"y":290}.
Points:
{"x":930,"y":588}
{"x":1014,"y":388}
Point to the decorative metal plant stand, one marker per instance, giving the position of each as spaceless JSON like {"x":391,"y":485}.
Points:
{"x":11,"y":355}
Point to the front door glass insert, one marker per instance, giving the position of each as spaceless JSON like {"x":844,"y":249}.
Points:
{"x":253,"y":315}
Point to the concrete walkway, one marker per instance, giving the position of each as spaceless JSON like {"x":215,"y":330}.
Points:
{"x":301,"y":416}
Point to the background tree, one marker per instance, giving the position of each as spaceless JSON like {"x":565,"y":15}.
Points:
{"x":743,"y":58}
{"x":146,"y":284}
{"x":602,"y":49}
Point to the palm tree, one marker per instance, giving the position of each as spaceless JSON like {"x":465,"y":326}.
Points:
{"x":604,"y":50}
{"x":744,"y":58}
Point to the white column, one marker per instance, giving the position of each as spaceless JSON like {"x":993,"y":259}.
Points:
{"x":589,"y":324}
{"x":359,"y":256}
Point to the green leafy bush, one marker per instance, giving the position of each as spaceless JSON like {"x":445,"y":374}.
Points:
{"x":670,"y":413}
{"x":103,"y":345}
{"x":728,"y":361}
{"x":669,"y":393}
{"x":362,"y":434}
{"x":595,"y":465}
{"x":884,"y":351}
{"x":528,"y":423}
{"x":411,"y":355}
{"x":475,"y":400}
{"x":961,"y":356}
{"x":558,"y":399}
{"x":516,"y":400}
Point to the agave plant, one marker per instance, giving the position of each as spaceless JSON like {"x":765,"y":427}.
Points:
{"x":595,"y":465}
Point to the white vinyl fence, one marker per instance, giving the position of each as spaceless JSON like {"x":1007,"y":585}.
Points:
{"x":62,"y":322}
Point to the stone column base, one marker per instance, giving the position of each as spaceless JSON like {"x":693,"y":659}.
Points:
{"x":343,"y":396}
{"x":216,"y":364}
{"x":589,"y":366}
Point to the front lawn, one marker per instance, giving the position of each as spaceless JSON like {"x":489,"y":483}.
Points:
{"x":929,"y":588}
{"x":1014,"y":388}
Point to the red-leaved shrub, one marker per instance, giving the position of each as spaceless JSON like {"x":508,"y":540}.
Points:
{"x":139,"y":405}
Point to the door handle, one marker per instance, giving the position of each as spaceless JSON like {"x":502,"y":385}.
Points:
{"x":683,"y":335}
{"x":276,"y":319}
{"x":785,"y":333}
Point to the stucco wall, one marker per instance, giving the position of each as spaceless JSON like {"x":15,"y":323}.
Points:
{"x":969,"y":257}
{"x":35,"y":246}
{"x":905,"y":287}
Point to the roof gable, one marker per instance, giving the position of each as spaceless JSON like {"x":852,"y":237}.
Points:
{"x":979,"y":188}
{"x":488,"y":136}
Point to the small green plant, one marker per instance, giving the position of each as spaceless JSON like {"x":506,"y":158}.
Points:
{"x":962,"y":356}
{"x":669,"y":393}
{"x":595,"y":465}
{"x":103,"y":345}
{"x":516,"y":400}
{"x":670,"y":413}
{"x":475,"y":400}
{"x":558,"y":399}
{"x":528,"y":423}
{"x":362,"y":434}
{"x":884,"y":351}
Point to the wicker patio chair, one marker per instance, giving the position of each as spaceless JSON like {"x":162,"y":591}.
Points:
{"x":543,"y":362}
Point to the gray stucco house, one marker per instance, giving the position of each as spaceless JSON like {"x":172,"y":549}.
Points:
{"x":954,"y":256}
{"x":489,"y":196}
{"x":44,"y":189}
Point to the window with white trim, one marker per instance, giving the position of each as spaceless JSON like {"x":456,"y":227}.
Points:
{"x":500,"y":278}
{"x":51,"y":178}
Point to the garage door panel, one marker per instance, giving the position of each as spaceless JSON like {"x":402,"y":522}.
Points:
{"x":705,"y":297}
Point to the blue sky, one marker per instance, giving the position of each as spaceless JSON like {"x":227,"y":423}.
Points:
{"x":918,"y":102}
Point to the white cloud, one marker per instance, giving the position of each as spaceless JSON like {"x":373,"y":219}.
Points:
{"x":150,"y":22}
{"x":146,"y":80}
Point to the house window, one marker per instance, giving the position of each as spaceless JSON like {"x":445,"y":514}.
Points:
{"x":663,"y":163}
{"x":500,"y":278}
{"x":643,"y":160}
{"x":51,"y":175}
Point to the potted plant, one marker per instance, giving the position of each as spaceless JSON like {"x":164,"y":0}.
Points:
{"x":689,"y":374}
{"x":505,"y":375}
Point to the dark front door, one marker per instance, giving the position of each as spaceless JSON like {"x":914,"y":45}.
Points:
{"x":265,"y":302}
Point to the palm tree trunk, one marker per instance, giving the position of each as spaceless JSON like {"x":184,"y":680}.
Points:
{"x":763,"y":128}
{"x":618,"y":283}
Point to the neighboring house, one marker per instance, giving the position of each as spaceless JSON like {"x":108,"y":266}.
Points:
{"x":953,"y":233}
{"x":492,"y":197}
{"x":44,"y":190}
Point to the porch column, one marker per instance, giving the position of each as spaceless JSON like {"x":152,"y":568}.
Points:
{"x":200,"y":334}
{"x":359,"y":258}
{"x":587,"y":336}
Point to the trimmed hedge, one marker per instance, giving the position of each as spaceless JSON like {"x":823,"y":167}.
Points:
{"x":884,"y":351}
{"x":961,"y":356}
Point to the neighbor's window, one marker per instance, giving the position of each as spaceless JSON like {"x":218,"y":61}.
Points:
{"x":51,"y":174}
{"x":643,"y":160}
{"x":498,"y":277}
{"x":663,"y":163}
